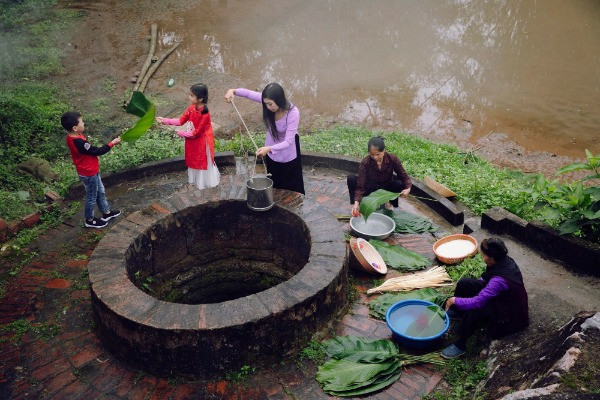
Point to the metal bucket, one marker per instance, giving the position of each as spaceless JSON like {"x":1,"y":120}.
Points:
{"x":259,"y":193}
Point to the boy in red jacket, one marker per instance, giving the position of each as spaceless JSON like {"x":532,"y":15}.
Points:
{"x":85,"y":159}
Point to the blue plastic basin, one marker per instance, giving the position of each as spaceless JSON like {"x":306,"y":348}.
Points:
{"x":412,"y":341}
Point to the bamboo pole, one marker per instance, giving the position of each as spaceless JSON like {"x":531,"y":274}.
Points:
{"x":153,"y":36}
{"x":155,"y":67}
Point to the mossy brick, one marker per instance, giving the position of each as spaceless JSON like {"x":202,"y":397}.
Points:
{"x":32,"y":219}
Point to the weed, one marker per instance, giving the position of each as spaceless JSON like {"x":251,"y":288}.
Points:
{"x":241,"y":375}
{"x":22,"y":326}
{"x":107,"y":85}
{"x":138,"y":377}
{"x":313,"y":352}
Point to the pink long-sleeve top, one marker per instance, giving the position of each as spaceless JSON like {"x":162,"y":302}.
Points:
{"x":283,"y":149}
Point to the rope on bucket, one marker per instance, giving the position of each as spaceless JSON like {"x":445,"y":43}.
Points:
{"x":253,"y":142}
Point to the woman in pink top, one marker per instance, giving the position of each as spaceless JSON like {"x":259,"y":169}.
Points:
{"x":282,"y":144}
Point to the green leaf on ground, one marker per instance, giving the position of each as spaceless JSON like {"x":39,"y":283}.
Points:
{"x":399,"y":258}
{"x":352,"y":348}
{"x":410,"y":223}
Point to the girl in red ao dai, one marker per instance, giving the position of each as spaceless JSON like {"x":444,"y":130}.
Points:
{"x":199,"y":139}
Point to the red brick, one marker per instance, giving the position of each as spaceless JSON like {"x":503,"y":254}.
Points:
{"x":72,"y":391}
{"x":59,"y":381}
{"x":58,"y":283}
{"x":188,"y":391}
{"x":162,"y":391}
{"x":85,"y":356}
{"x":3,"y":224}
{"x":126,"y":383}
{"x":14,"y":228}
{"x":82,"y":294}
{"x":143,"y":389}
{"x":401,"y":391}
{"x":77,"y":263}
{"x":31,"y":219}
{"x":160,"y":208}
{"x":408,"y":381}
{"x":50,"y":369}
{"x":50,"y":355}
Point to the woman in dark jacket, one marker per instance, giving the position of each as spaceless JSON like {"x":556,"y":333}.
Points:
{"x":498,"y":299}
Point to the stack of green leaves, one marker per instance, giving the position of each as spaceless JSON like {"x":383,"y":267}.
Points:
{"x":399,"y":258}
{"x":359,"y":365}
{"x":379,"y":306}
{"x":410,"y":223}
{"x":143,"y":108}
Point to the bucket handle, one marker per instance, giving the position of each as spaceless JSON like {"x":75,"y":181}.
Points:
{"x":253,"y":142}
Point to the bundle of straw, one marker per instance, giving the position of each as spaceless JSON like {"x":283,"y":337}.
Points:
{"x":433,"y":277}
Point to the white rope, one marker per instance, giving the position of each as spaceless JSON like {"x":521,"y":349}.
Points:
{"x":251,"y":139}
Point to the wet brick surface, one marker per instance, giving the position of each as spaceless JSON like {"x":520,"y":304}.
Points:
{"x":59,"y":356}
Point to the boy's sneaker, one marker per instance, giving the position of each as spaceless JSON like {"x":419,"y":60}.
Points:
{"x":110,"y":215}
{"x":95,"y":223}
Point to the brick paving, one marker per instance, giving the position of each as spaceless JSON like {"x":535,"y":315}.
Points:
{"x":50,"y":295}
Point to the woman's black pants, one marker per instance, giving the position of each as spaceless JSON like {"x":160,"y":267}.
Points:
{"x":393,"y":186}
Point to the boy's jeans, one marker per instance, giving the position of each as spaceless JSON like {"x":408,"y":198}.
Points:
{"x":94,"y":194}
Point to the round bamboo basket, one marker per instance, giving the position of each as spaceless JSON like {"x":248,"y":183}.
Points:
{"x":438,"y":187}
{"x":454,"y":260}
{"x":369,"y":259}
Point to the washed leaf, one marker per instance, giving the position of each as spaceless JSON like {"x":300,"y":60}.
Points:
{"x":410,"y":223}
{"x":140,"y":127}
{"x":383,"y":380}
{"x":372,"y":202}
{"x":138,"y":105}
{"x":342,"y":375}
{"x":399,"y":258}
{"x":379,"y":306}
{"x":353,"y":348}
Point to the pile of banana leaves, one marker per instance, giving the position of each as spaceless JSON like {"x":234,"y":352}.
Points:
{"x":359,"y":365}
{"x":408,"y":223}
{"x":399,"y":258}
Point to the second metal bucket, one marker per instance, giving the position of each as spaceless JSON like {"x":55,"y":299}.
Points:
{"x":259,"y":193}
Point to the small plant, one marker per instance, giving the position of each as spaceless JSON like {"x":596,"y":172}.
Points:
{"x":241,"y":375}
{"x":314,"y":352}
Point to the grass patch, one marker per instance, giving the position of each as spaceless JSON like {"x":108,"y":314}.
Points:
{"x":313,"y":352}
{"x":463,"y":376}
{"x":22,"y":326}
{"x":241,"y":375}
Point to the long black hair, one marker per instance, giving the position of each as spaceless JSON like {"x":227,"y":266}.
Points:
{"x":275,"y":92}
{"x":201,"y":92}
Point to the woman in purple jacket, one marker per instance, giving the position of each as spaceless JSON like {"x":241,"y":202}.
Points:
{"x":282,"y":144}
{"x":498,"y":299}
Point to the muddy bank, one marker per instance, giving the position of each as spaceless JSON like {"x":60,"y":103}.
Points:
{"x":110,"y":43}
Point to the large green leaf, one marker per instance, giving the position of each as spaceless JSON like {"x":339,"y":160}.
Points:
{"x":399,"y":258}
{"x":410,"y":223}
{"x":342,"y":375}
{"x":138,"y":105}
{"x":353,"y":348}
{"x":372,"y":202}
{"x":573,"y":167}
{"x":382,"y":381}
{"x":379,"y":306}
{"x":141,"y":126}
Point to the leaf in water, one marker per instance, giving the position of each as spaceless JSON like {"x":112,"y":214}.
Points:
{"x":138,"y":105}
{"x":410,"y":223}
{"x":353,"y":348}
{"x":372,"y":202}
{"x":379,"y":306}
{"x":140,"y":127}
{"x":399,"y":258}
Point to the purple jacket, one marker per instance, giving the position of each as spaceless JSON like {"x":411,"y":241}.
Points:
{"x":495,"y":286}
{"x":283,"y":149}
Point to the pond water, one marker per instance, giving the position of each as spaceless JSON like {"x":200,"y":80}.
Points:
{"x":527,"y":69}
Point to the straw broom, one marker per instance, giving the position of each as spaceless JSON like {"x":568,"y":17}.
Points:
{"x":433,"y":277}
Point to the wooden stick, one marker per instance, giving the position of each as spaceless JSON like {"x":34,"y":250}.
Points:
{"x":153,"y":36}
{"x":155,"y":67}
